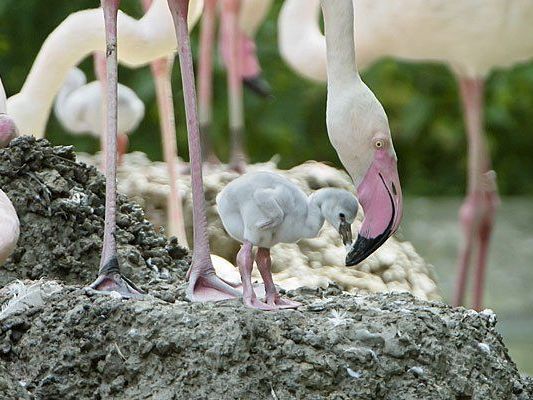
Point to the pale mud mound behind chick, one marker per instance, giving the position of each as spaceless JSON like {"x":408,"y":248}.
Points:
{"x":312,"y":263}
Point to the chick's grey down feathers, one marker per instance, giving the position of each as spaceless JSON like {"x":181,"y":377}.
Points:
{"x":266,"y":208}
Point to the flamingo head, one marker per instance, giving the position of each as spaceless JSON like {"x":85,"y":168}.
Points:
{"x":8,"y":130}
{"x":359,"y":130}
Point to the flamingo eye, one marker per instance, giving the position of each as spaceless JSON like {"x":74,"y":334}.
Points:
{"x":380,"y":143}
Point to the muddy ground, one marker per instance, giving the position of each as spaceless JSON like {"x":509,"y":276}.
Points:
{"x":74,"y":345}
{"x":338,"y":346}
{"x":60,"y":204}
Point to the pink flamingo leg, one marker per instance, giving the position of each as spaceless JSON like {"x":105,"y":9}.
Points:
{"x":204,"y":284}
{"x":272,"y":297}
{"x":110,"y":278}
{"x":205,"y":80}
{"x":99,"y":61}
{"x":245,"y":262}
{"x":485,"y":231}
{"x":99,"y":65}
{"x":230,"y":14}
{"x":478,"y":210}
{"x":161,"y":70}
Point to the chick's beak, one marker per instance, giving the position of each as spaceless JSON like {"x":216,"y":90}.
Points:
{"x":345,"y":231}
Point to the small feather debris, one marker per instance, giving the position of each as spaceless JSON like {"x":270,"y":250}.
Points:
{"x":417,"y":371}
{"x":338,"y":318}
{"x":484,"y":347}
{"x":26,"y":296}
{"x":354,"y":374}
{"x":489,"y":315}
{"x":273,"y":393}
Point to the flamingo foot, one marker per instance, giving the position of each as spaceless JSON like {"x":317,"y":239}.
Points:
{"x":238,"y":164}
{"x":253,"y":302}
{"x":210,"y":287}
{"x":280,"y":303}
{"x":111,"y":280}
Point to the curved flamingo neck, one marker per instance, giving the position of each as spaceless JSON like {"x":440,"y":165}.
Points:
{"x":339,"y":28}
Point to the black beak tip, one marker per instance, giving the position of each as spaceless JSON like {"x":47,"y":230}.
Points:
{"x":258,"y":85}
{"x":364,"y":247}
{"x":350,"y":262}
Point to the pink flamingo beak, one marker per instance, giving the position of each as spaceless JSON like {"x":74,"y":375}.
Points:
{"x":8,"y":130}
{"x":249,"y":67}
{"x":380,"y":195}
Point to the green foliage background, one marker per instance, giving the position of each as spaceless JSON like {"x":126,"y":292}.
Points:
{"x":421,"y":100}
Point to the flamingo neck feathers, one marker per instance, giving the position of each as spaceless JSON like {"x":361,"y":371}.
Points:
{"x":3,"y":108}
{"x":339,"y":28}
{"x":301,"y":42}
{"x":315,"y":218}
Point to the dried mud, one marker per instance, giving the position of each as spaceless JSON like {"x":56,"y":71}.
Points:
{"x":339,"y":346}
{"x":60,"y":204}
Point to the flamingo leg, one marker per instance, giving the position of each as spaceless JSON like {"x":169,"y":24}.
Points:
{"x":161,"y":71}
{"x":478,"y":210}
{"x":99,"y":61}
{"x":245,"y":261}
{"x":230,"y":28}
{"x":110,"y":278}
{"x":99,"y":65}
{"x":272,"y":297}
{"x":205,"y":80}
{"x":204,"y":284}
{"x":122,"y":146}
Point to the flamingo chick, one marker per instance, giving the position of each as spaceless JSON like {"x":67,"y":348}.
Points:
{"x":79,"y":109}
{"x":263,"y":209}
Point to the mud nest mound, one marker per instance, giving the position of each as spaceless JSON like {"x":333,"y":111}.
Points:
{"x":312,"y":263}
{"x":60,"y":204}
{"x":338,"y":346}
{"x":57,"y":341}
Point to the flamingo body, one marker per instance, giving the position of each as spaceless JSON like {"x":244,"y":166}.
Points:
{"x":79,"y":106}
{"x":262,"y":209}
{"x":473,"y":37}
{"x":9,"y":227}
{"x":266,"y":208}
{"x":82,"y":33}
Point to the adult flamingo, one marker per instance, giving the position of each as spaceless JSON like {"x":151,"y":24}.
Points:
{"x":82,"y":33}
{"x":359,"y":130}
{"x":78,"y":108}
{"x":8,"y":129}
{"x":460,"y":34}
{"x":9,"y":227}
{"x":9,"y":222}
{"x":240,"y":20}
{"x":204,"y":284}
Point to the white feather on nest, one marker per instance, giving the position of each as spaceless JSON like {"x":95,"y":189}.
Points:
{"x":27,"y":296}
